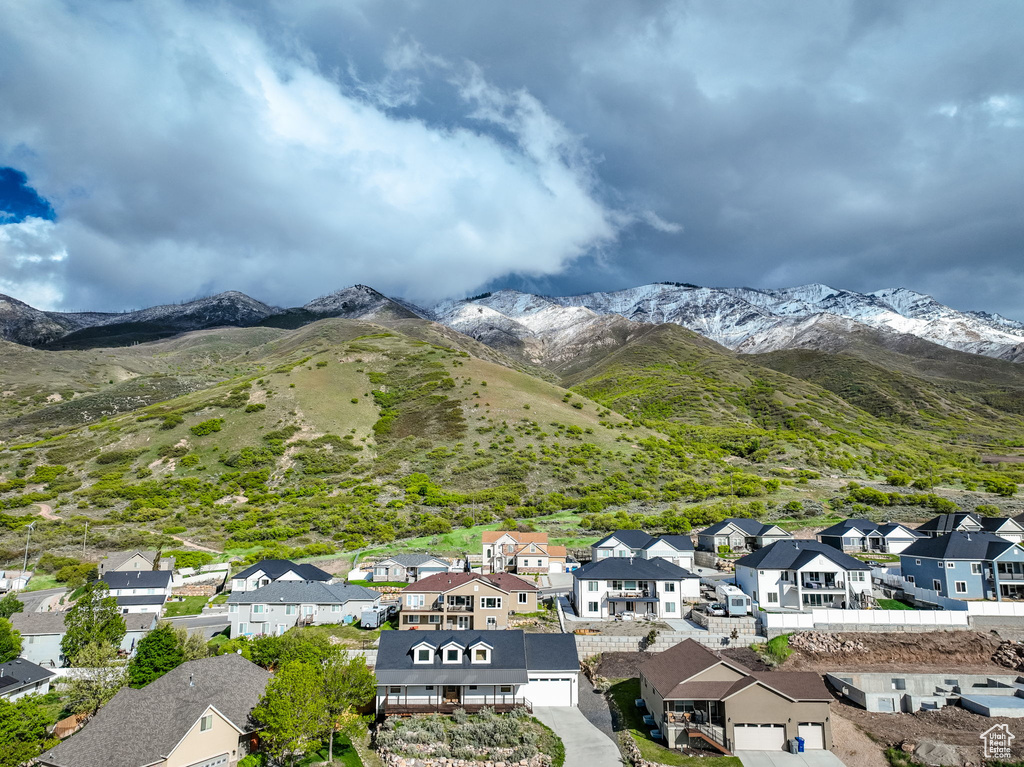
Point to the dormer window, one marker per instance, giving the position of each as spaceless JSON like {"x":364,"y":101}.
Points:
{"x":423,"y":653}
{"x":451,"y":652}
{"x":480,"y":653}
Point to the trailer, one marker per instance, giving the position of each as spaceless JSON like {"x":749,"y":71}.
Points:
{"x":736,"y":602}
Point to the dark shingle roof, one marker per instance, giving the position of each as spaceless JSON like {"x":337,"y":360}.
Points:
{"x":632,"y":568}
{"x":669,"y":669}
{"x":275,"y":568}
{"x":947,"y":523}
{"x":957,"y":545}
{"x":863,"y":525}
{"x":53,"y":622}
{"x":141,"y":599}
{"x":794,"y":554}
{"x":551,"y":652}
{"x":138,"y":579}
{"x":395,"y":659}
{"x":994,"y":524}
{"x":413,"y":560}
{"x":303,"y":592}
{"x":677,"y":542}
{"x":141,"y":727}
{"x":635,"y":539}
{"x":748,"y":526}
{"x":23,"y":671}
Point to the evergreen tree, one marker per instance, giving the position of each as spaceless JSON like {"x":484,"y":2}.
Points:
{"x":10,"y":641}
{"x":158,"y":652}
{"x":10,"y":605}
{"x":94,"y":619}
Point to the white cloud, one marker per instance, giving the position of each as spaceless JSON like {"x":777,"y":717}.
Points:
{"x":183,"y":156}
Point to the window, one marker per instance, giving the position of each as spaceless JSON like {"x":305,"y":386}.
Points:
{"x":910,"y":579}
{"x":335,"y":608}
{"x":960,"y":587}
{"x":414,"y":600}
{"x":307,"y":609}
{"x":950,"y":564}
{"x":424,"y":655}
{"x":428,"y":687}
{"x":785,"y":575}
{"x":936,"y":585}
{"x":412,"y":619}
{"x":522,"y":597}
{"x":481,"y":655}
{"x":434,"y":618}
{"x":257,"y":609}
{"x":593,"y":607}
{"x":452,"y":655}
{"x":899,"y":684}
{"x":670,"y":588}
{"x":490,"y":603}
{"x":291,"y":609}
{"x":917,"y":561}
{"x":773,"y":597}
{"x":975,"y":568}
{"x":206,"y":723}
{"x":505,"y":689}
{"x":241,"y":628}
{"x":670,"y":607}
{"x":394,"y":691}
{"x":232,"y":608}
{"x":592,"y":585}
{"x":857,"y":575}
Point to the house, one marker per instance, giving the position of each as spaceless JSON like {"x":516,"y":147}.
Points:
{"x":197,"y":714}
{"x":42,"y":633}
{"x":20,"y":677}
{"x":278,"y":607}
{"x":464,"y":601}
{"x":801,"y":575}
{"x":445,"y":670}
{"x":695,"y":695}
{"x":677,"y":549}
{"x":130,"y":561}
{"x":272,"y":570}
{"x":738,"y":535}
{"x":523,"y":553}
{"x":639,"y":587}
{"x":969,"y":522}
{"x":962,"y":565}
{"x":14,"y":580}
{"x":409,"y":567}
{"x":901,"y":691}
{"x":139,"y":591}
{"x":863,"y":535}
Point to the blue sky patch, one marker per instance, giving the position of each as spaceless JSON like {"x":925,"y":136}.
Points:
{"x":19,"y":201}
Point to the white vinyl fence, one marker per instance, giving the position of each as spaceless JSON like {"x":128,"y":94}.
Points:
{"x":826,"y":618}
{"x":996,"y":609}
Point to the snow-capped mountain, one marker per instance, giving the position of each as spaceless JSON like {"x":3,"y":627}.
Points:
{"x":358,"y":302}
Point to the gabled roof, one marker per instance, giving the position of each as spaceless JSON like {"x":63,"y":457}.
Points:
{"x":866,"y":526}
{"x":748,"y":526}
{"x":507,"y":663}
{"x":414,"y":560}
{"x":634,"y":539}
{"x":947,"y":523}
{"x":957,"y":545}
{"x":118,"y":558}
{"x":303,"y":592}
{"x":34,"y":624}
{"x":137,"y":579}
{"x":551,"y":652}
{"x":492,"y":536}
{"x":677,"y":542}
{"x":509,"y":582}
{"x":443,"y":582}
{"x":793,"y":554}
{"x":22,"y":671}
{"x":678,"y":664}
{"x":142,"y":727}
{"x":275,"y":568}
{"x":1004,"y":524}
{"x":632,"y":568}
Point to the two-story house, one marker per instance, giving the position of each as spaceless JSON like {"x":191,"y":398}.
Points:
{"x":275,"y":608}
{"x":464,"y":601}
{"x":269,"y":571}
{"x":800,"y":575}
{"x":523,"y":553}
{"x":615,"y":586}
{"x":130,"y":561}
{"x":969,"y":522}
{"x":738,"y":534}
{"x":139,"y":591}
{"x":409,"y":567}
{"x":698,"y":699}
{"x":865,"y":536}
{"x":677,"y":549}
{"x":445,"y":670}
{"x":962,"y":565}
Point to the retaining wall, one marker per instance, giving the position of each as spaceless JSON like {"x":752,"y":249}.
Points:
{"x":592,"y":644}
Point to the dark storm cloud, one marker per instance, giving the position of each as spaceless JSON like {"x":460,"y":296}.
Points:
{"x":862,"y":144}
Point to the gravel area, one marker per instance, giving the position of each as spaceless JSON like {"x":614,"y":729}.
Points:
{"x":595,"y":708}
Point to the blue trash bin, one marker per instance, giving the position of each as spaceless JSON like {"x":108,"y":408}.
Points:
{"x":799,"y":745}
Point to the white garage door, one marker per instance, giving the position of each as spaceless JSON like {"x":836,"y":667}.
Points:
{"x":813,"y":734}
{"x":551,"y":690}
{"x":217,"y":761}
{"x":759,"y":737}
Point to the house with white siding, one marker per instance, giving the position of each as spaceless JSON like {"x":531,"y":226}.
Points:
{"x":615,"y":586}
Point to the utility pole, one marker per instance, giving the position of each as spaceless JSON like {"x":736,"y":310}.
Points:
{"x":84,"y":536}
{"x":24,"y":568}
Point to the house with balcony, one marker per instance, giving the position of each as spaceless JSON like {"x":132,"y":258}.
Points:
{"x":273,"y":609}
{"x":966,"y":565}
{"x":701,"y":700}
{"x":269,"y":571}
{"x":865,"y":536}
{"x":634,"y":588}
{"x":677,"y":549}
{"x":969,"y":522}
{"x":409,"y":567}
{"x":801,"y":575}
{"x":465,"y":601}
{"x":738,"y":535}
{"x":139,"y":591}
{"x":509,"y":551}
{"x":442,"y":671}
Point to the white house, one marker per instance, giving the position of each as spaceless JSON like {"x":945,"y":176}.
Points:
{"x":273,"y":570}
{"x":409,"y":567}
{"x":968,"y":522}
{"x":139,"y":591}
{"x":739,"y":534}
{"x":801,"y":575}
{"x":677,"y":549}
{"x":863,"y":535}
{"x":641,"y":587}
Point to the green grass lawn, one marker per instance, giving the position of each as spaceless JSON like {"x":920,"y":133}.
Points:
{"x":191,"y":606}
{"x":626,"y":691}
{"x":344,"y":754}
{"x":220,"y":599}
{"x":41,"y":581}
{"x":375,"y":584}
{"x":894,"y":604}
{"x":351,"y":635}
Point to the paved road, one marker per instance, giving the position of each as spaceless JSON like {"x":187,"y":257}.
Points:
{"x":33,"y":599}
{"x":585,"y":744}
{"x":208,"y":624}
{"x":786,"y":759}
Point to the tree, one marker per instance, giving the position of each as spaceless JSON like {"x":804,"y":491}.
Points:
{"x":158,"y":652}
{"x":23,"y":726}
{"x":106,"y":676}
{"x":193,"y":646}
{"x":292,"y":711}
{"x":10,"y":605}
{"x":93,"y":619}
{"x":10,"y":641}
{"x":348,"y":685}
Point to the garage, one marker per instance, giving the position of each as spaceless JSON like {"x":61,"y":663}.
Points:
{"x":759,"y":737}
{"x":551,"y":689}
{"x":813,"y":734}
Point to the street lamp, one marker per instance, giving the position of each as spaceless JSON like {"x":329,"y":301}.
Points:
{"x":24,"y":568}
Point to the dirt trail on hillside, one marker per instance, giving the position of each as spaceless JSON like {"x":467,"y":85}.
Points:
{"x":46,"y":512}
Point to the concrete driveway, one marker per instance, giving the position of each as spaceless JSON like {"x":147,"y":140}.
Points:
{"x":786,"y":759}
{"x":585,"y":744}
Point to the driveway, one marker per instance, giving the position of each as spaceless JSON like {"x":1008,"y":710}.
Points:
{"x":585,"y":744}
{"x":786,"y":759}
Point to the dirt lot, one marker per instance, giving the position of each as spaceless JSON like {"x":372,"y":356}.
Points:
{"x":619,"y":628}
{"x":967,"y":651}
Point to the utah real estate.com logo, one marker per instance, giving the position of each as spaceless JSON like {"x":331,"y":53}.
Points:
{"x":997,"y":740}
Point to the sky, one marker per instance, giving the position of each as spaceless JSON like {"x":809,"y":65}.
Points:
{"x":161,"y":151}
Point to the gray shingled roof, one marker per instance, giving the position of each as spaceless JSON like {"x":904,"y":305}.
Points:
{"x":794,"y":554}
{"x":551,"y":652}
{"x":677,"y":542}
{"x":413,"y":560}
{"x":395,"y":662}
{"x":275,"y":568}
{"x":630,"y":568}
{"x":137,"y":579}
{"x":53,"y":622}
{"x":748,"y":526}
{"x":24,"y":671}
{"x":956,"y":545}
{"x":140,"y":727}
{"x":303,"y":592}
{"x":635,"y":539}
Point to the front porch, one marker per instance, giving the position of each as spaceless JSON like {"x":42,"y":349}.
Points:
{"x":697,"y":724}
{"x":406,"y":700}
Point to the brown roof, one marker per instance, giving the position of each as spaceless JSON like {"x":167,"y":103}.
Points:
{"x":491,"y":536}
{"x":669,"y":669}
{"x":510,"y":582}
{"x":702,"y":690}
{"x":556,"y":551}
{"x":799,"y":685}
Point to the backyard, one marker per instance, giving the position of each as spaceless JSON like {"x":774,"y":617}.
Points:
{"x":188,"y":606}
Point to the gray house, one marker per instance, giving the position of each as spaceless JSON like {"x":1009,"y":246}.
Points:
{"x":738,"y":534}
{"x":20,"y":677}
{"x":280,"y":606}
{"x":269,"y":571}
{"x":409,"y":567}
{"x":963,"y":565}
{"x":41,"y":635}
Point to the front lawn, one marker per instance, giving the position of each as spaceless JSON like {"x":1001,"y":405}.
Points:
{"x":375,"y":584}
{"x":344,"y":754}
{"x":894,"y":604}
{"x":625,"y":692}
{"x":190,"y":606}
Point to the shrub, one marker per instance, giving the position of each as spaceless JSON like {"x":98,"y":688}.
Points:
{"x":255,"y":407}
{"x":204,"y":428}
{"x":172,"y":420}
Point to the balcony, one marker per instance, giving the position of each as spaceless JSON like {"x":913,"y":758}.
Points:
{"x":825,"y":584}
{"x":457,"y":608}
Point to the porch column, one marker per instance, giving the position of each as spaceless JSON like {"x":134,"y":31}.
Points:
{"x":995,"y":581}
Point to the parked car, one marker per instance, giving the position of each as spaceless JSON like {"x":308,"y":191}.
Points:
{"x":716,"y":609}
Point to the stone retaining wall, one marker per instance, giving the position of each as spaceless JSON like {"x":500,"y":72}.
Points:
{"x":592,"y":644}
{"x":194,"y":591}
